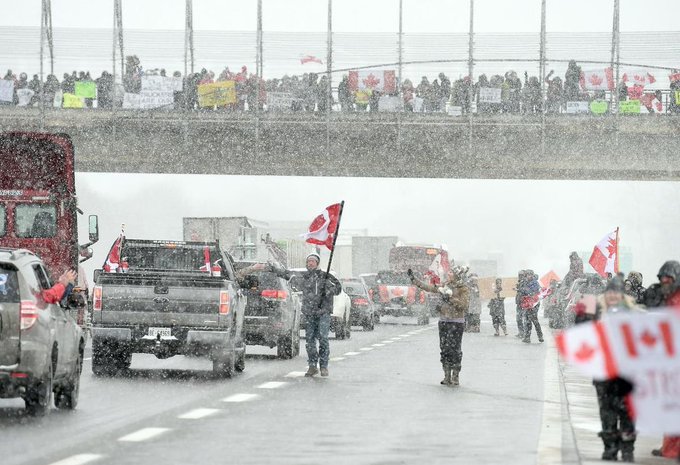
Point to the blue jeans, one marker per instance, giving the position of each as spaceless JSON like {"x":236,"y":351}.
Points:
{"x":318,"y":327}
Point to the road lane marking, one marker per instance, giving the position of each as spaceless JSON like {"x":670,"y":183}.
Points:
{"x":88,"y":358}
{"x":550,"y":435}
{"x":352,"y":353}
{"x":378,"y":345}
{"x":366,"y":349}
{"x":396,"y":339}
{"x":79,"y":459}
{"x":404,"y":335}
{"x":295,"y":374}
{"x":387,"y":342}
{"x":242,"y":397}
{"x":143,"y":434}
{"x":198,"y":413}
{"x":272,"y":385}
{"x":337,"y":359}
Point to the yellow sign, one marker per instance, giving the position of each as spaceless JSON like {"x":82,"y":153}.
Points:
{"x":677,"y":97}
{"x":73,"y":101}
{"x":216,"y":94}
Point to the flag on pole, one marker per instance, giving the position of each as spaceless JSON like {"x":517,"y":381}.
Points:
{"x":324,"y":227}
{"x":371,"y":79}
{"x":112,"y":263}
{"x":549,"y":276}
{"x":597,"y":79}
{"x":605,"y":256}
{"x":310,"y":59}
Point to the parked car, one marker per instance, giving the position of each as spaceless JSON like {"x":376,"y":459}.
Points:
{"x":340,"y":324}
{"x":362,"y":310}
{"x":272,"y":316}
{"x":177,"y":297}
{"x":41,"y":344}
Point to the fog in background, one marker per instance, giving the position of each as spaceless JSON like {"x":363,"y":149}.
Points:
{"x":534,"y":224}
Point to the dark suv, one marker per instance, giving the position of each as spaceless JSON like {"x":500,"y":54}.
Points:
{"x":41,"y":344}
{"x":272,"y":316}
{"x":362,"y":312}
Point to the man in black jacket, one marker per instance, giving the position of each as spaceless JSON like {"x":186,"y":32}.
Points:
{"x":318,"y":289}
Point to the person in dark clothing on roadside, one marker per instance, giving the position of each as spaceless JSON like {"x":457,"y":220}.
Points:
{"x":318,"y":289}
{"x":618,"y":428}
{"x":455,"y":302}
{"x":572,"y":79}
{"x":104,"y":90}
{"x":529,"y":302}
{"x":344,"y":95}
{"x":444,"y":91}
{"x":519,"y":315}
{"x":497,"y":309}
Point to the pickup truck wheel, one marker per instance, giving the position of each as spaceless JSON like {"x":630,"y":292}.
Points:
{"x":39,"y":396}
{"x":123,"y":360}
{"x":368,"y":324}
{"x":67,"y":396}
{"x":224,"y":366}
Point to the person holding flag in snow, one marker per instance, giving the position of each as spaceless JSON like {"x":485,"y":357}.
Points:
{"x":318,"y":289}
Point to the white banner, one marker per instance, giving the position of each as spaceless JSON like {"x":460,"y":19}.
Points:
{"x":147,"y":100}
{"x":578,"y":107}
{"x":6,"y":91}
{"x":489,"y":95}
{"x":279,"y":101}
{"x":58,"y":97}
{"x":161,"y":83}
{"x":24,"y":96}
{"x":390,"y":104}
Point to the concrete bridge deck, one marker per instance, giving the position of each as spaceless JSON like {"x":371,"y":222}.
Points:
{"x":640,"y":147}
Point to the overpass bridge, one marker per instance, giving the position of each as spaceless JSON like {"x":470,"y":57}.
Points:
{"x":639,"y":147}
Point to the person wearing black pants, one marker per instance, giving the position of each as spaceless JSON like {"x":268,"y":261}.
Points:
{"x":529,"y":301}
{"x":519,"y":315}
{"x":531,"y":317}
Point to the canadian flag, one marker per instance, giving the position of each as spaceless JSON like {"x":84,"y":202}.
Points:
{"x":310,"y":59}
{"x":605,"y":256}
{"x":597,"y":79}
{"x":586,"y":347}
{"x":549,"y":276}
{"x":112,"y":263}
{"x":370,"y":79}
{"x":323,"y":229}
{"x":674,"y":77}
{"x":638,"y":76}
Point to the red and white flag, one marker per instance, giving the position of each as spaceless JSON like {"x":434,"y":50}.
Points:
{"x":585,"y":347}
{"x":310,"y":59}
{"x":112,"y":263}
{"x":597,"y":79}
{"x":371,"y":79}
{"x":605,"y":256}
{"x":674,"y":77}
{"x":638,"y":76}
{"x":323,"y":229}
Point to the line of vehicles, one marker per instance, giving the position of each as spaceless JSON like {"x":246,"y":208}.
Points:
{"x":162,"y":297}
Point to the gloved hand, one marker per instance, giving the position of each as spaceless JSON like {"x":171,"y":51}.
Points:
{"x":409,"y":272}
{"x":445,"y":291}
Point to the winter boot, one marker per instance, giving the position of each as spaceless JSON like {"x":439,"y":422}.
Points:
{"x":447,"y":375}
{"x":495,"y":327}
{"x":324,"y":371}
{"x":454,"y":377}
{"x":505,"y":330}
{"x":627,"y":447}
{"x":610,"y":439}
{"x":312,"y":371}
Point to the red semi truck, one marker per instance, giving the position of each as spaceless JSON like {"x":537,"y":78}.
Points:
{"x":38,"y":205}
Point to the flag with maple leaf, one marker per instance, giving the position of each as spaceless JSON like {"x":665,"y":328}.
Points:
{"x":643,"y":348}
{"x":597,"y":79}
{"x":639,"y":76}
{"x":370,"y":79}
{"x":605,"y":256}
{"x":324,"y":228}
{"x":674,"y":77}
{"x":310,"y":59}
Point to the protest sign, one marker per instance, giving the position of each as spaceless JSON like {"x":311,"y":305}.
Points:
{"x":575,"y":108}
{"x":489,"y":95}
{"x":86,"y":89}
{"x":6,"y":90}
{"x":73,"y":101}
{"x":216,"y":94}
{"x":24,"y":96}
{"x":280,"y":101}
{"x":599,"y":107}
{"x":629,"y":107}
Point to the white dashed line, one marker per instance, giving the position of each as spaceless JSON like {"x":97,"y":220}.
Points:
{"x":396,"y":339}
{"x":88,"y":358}
{"x":79,"y":459}
{"x":143,"y":434}
{"x":352,"y":353}
{"x":404,"y":335}
{"x":366,"y":349}
{"x":243,"y":397}
{"x":337,"y":359}
{"x":295,"y":374}
{"x":378,"y":345}
{"x":272,"y":385}
{"x":198,"y":413}
{"x":387,"y":342}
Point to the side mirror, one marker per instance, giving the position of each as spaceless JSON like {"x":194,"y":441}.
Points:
{"x":96,"y":274}
{"x":93,"y":228}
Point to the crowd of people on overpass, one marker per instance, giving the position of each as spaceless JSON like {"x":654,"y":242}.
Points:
{"x":309,"y":92}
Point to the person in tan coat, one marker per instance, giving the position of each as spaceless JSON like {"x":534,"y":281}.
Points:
{"x":455,"y":302}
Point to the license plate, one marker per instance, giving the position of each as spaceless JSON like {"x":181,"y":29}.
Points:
{"x":163,"y":332}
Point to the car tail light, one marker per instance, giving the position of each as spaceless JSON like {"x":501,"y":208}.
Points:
{"x":97,"y":299}
{"x":411,"y":295}
{"x":274,"y":294}
{"x":359,"y":301}
{"x":224,"y":302}
{"x":29,"y":314}
{"x":18,"y":375}
{"x":422,"y":297}
{"x":384,"y":296}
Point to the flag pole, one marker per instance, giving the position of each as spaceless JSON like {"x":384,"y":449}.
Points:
{"x":616,"y":263}
{"x":330,"y":258}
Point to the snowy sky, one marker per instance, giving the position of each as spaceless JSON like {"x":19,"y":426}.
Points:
{"x":358,"y":15}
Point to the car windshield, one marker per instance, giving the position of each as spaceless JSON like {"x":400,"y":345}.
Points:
{"x":394,"y":279}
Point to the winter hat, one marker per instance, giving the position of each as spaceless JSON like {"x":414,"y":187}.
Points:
{"x":615,"y":284}
{"x":315,"y":256}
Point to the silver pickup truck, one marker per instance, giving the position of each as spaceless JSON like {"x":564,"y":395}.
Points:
{"x":168,"y":298}
{"x":41,"y":344}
